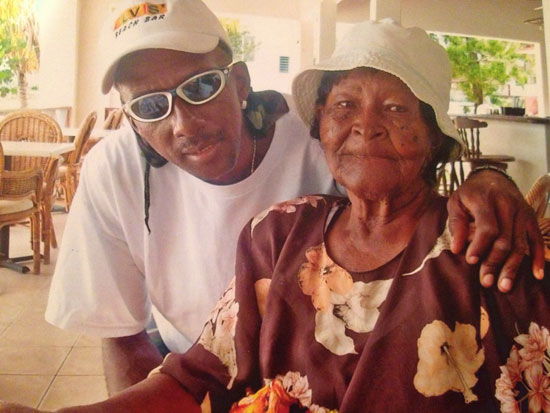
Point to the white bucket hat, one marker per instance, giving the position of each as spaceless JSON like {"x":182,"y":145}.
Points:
{"x":184,"y":25}
{"x":408,"y":53}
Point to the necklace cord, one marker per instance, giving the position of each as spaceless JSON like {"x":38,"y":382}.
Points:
{"x":252,"y":165}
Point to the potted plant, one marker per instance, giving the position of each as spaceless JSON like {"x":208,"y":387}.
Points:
{"x":514,"y":106}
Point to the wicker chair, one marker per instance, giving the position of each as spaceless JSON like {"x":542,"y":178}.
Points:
{"x":113,"y":120}
{"x":20,"y":194}
{"x":537,"y":197}
{"x":34,"y":126}
{"x":69,"y":172}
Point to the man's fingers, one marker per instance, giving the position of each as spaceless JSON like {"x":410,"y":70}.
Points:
{"x":486,"y":232}
{"x":536,"y":246}
{"x":458,"y":224}
{"x":500,"y":250}
{"x":491,"y":265}
{"x":509,"y":272}
{"x":525,"y":239}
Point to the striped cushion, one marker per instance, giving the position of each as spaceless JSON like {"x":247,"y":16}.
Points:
{"x":14,"y":206}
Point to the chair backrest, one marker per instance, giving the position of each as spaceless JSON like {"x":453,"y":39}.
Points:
{"x":113,"y":119}
{"x":21,"y":184}
{"x":1,"y":164}
{"x":82,"y":137}
{"x":468,"y":129}
{"x":32,"y":126}
{"x":538,"y":195}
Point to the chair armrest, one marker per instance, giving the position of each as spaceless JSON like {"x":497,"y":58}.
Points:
{"x":50,"y":175}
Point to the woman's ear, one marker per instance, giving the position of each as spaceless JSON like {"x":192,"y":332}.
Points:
{"x":239,"y":72}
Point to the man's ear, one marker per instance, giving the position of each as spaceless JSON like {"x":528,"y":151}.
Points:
{"x":239,"y":72}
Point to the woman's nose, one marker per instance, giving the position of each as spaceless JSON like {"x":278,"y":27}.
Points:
{"x":368,"y":123}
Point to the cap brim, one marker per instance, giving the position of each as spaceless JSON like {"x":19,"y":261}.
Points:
{"x":191,"y":43}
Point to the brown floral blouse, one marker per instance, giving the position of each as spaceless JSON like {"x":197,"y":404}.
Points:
{"x":418,"y":334}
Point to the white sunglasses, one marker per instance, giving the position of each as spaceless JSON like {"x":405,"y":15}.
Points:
{"x":196,"y":90}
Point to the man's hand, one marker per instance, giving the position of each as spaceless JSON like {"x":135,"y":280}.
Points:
{"x":504,"y":228}
{"x":6,"y":407}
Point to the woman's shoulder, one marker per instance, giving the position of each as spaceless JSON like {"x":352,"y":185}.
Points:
{"x":304,"y":207}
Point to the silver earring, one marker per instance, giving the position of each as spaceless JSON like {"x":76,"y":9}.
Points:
{"x":244,"y":104}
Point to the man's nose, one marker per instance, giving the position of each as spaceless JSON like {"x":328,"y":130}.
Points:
{"x":187,"y":119}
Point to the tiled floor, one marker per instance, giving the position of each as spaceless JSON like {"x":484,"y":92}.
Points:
{"x":41,"y":365}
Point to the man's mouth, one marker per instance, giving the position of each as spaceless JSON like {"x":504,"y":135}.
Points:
{"x":200,"y":151}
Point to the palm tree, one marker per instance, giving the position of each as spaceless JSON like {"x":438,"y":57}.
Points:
{"x":19,"y":46}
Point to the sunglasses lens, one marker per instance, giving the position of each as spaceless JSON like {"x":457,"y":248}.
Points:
{"x":203,"y":87}
{"x":151,"y":107}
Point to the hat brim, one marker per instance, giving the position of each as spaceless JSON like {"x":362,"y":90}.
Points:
{"x":306,"y":85}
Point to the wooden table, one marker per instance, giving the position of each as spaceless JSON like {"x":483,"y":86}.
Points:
{"x":97,"y":133}
{"x":23,"y":148}
{"x":40,"y":149}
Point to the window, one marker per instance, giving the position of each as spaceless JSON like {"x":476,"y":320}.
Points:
{"x":283,"y":64}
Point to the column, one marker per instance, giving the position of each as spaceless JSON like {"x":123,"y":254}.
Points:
{"x":380,"y":9}
{"x":544,"y":109}
{"x":318,"y":30}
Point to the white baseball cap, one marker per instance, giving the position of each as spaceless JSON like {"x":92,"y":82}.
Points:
{"x":183,"y":25}
{"x":408,"y":53}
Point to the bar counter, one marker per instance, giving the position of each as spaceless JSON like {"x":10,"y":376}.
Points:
{"x":527,"y":138}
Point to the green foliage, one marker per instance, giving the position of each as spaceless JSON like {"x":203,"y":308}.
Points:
{"x":242,"y":43}
{"x":19,"y":48}
{"x":481,"y":66}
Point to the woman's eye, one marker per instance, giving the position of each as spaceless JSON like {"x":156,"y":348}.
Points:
{"x":396,"y":108}
{"x":344,"y":104}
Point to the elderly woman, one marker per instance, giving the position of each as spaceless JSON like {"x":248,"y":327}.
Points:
{"x":356,"y":304}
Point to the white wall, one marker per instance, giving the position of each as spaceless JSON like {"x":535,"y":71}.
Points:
{"x":527,"y":142}
{"x":264,"y":69}
{"x":91,"y":18}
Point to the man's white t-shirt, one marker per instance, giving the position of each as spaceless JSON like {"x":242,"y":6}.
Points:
{"x":110,"y":269}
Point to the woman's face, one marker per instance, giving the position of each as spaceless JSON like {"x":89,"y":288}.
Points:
{"x":373,"y":133}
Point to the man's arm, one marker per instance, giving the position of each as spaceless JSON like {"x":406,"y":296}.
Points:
{"x":505,"y":228}
{"x":128,"y":360}
{"x":159,"y":393}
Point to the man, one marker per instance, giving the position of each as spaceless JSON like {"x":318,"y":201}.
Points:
{"x":154,"y":223}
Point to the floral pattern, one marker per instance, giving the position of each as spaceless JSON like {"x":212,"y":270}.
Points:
{"x":526,"y":374}
{"x":442,"y":243}
{"x":218,"y":335}
{"x":288,"y":207}
{"x":448,"y":360}
{"x":297,"y":387}
{"x":340,"y":302}
{"x":271,"y":398}
{"x":261,"y":287}
{"x":312,"y":307}
{"x":484,"y":322}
